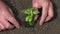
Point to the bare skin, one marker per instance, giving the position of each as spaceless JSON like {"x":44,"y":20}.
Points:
{"x":47,"y":9}
{"x":7,"y":15}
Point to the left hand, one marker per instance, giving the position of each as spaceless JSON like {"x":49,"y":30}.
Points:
{"x":7,"y":19}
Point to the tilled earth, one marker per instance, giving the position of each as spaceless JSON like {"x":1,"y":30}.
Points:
{"x":52,"y":27}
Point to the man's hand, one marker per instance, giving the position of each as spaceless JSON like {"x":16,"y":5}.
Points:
{"x":47,"y":9}
{"x":5,"y":16}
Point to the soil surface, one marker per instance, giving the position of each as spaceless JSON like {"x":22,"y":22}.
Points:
{"x":52,"y":27}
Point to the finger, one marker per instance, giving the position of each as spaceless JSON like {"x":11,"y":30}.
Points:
{"x":11,"y":12}
{"x":44,"y":14}
{"x":50,"y":13}
{"x":1,"y":27}
{"x":6,"y":24}
{"x":13,"y":21}
{"x":10,"y":17}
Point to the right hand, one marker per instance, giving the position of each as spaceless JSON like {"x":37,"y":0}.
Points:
{"x":5,"y":16}
{"x":47,"y":9}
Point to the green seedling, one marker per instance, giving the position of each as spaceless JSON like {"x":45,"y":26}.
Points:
{"x":30,"y":13}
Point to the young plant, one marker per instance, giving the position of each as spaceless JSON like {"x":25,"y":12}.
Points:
{"x":30,"y":14}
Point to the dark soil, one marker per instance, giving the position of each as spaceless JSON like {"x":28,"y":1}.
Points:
{"x":52,"y":27}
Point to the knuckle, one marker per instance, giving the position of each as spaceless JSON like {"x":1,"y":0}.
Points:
{"x":46,"y":4}
{"x":35,"y":5}
{"x":11,"y":18}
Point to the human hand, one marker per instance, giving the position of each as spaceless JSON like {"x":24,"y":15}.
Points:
{"x":5,"y":16}
{"x":47,"y":9}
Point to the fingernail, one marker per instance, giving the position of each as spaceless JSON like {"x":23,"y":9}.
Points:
{"x":40,"y":24}
{"x":18,"y":27}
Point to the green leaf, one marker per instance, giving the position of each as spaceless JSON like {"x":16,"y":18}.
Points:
{"x":30,"y":19}
{"x":36,"y":12}
{"x":27,"y":18}
{"x":26,"y":12}
{"x":30,"y":11}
